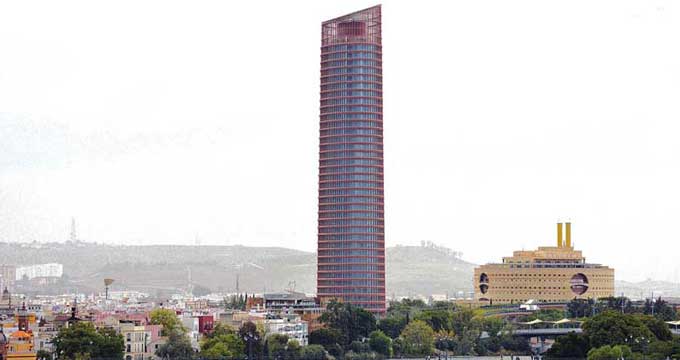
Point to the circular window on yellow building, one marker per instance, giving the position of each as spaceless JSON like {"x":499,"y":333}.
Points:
{"x":484,"y":283}
{"x":579,"y":284}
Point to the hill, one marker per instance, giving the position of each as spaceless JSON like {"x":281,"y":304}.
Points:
{"x":164,"y":269}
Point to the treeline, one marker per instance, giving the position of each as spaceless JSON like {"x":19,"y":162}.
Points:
{"x":658,"y":308}
{"x":616,"y":328}
{"x":412,"y":328}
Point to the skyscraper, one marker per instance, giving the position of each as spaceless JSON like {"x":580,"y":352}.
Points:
{"x":351,"y":240}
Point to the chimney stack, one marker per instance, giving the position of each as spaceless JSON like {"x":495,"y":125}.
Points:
{"x":559,"y":235}
{"x":568,"y":234}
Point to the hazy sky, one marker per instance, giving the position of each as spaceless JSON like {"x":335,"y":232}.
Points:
{"x":160,"y":121}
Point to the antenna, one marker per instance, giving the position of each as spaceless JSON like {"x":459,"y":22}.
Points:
{"x":74,"y":234}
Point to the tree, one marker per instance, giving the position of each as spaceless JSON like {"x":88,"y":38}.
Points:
{"x":657,"y":326}
{"x":462,"y":320}
{"x":609,"y":353}
{"x":222,"y":342}
{"x":418,"y":338}
{"x":660,"y":309}
{"x":392,"y":325}
{"x":572,"y":345}
{"x":436,"y":319}
{"x":405,"y":307}
{"x":330,"y":339}
{"x":252,"y":339}
{"x":359,"y":347}
{"x":178,"y":346}
{"x":83,"y":340}
{"x":43,"y":355}
{"x":445,"y":340}
{"x":380,"y":343}
{"x":615,"y":328}
{"x":312,"y":352}
{"x":465,"y":342}
{"x":580,"y":308}
{"x":280,"y":348}
{"x":660,"y":349}
{"x":353,"y":323}
{"x":168,"y":318}
{"x":621,"y":304}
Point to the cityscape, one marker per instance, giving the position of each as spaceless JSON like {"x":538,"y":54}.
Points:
{"x":358,"y":295}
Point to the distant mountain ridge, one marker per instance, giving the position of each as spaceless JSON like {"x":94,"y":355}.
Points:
{"x":165,"y":269}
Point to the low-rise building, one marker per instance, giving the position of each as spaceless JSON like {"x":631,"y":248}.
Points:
{"x":140,"y":341}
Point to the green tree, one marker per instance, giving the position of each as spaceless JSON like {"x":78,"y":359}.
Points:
{"x":405,"y":307}
{"x":252,"y":339}
{"x":353,"y":323}
{"x":330,"y":339}
{"x":620,"y":304}
{"x":418,"y":339}
{"x":572,"y":345}
{"x":168,"y":318}
{"x":465,"y":342}
{"x":660,"y":309}
{"x":609,"y":353}
{"x":313,"y":352}
{"x":83,"y":340}
{"x":445,"y":340}
{"x":657,"y":326}
{"x":436,"y":319}
{"x":392,"y":326}
{"x":660,"y":349}
{"x":546,"y":315}
{"x":178,"y":346}
{"x":380,"y":343}
{"x":43,"y":355}
{"x":462,"y":321}
{"x":222,"y":342}
{"x":580,"y":308}
{"x":615,"y":328}
{"x":358,"y":347}
{"x":398,"y":347}
{"x":281,"y":347}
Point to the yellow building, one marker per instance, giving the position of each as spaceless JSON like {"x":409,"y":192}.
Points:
{"x":550,"y":274}
{"x":20,"y":343}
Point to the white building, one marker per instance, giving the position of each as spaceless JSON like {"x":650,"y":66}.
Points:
{"x":41,"y":270}
{"x":290,"y":325}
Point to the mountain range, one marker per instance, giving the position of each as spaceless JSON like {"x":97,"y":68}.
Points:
{"x":165,"y":269}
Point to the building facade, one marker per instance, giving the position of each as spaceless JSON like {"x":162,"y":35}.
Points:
{"x":351,"y":228}
{"x":551,"y":274}
{"x":290,"y":325}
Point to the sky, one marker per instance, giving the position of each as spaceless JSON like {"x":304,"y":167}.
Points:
{"x":185,"y":122}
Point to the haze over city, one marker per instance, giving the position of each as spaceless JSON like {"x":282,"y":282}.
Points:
{"x":500,"y":119}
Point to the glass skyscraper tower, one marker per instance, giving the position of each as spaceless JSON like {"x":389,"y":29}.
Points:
{"x":351,"y":232}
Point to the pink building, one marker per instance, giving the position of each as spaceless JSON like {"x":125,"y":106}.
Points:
{"x":351,"y":229}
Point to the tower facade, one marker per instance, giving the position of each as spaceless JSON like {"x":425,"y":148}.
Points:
{"x":351,"y":228}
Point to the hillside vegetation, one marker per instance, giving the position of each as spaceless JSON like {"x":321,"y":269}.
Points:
{"x":165,"y":268}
